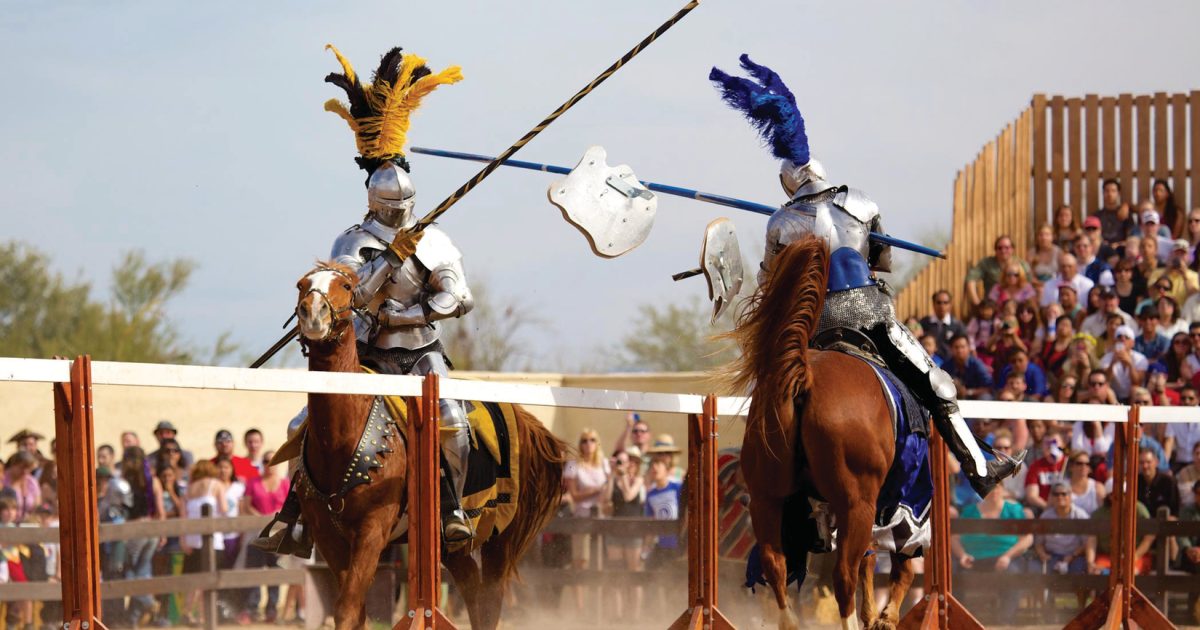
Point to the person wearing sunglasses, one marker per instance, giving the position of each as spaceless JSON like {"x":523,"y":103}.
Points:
{"x":1182,"y":437}
{"x":1086,"y":492}
{"x":163,"y":431}
{"x":588,"y":478}
{"x":941,"y":322}
{"x":1063,"y":553}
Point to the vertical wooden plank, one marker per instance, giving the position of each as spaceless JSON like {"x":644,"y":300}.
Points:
{"x":1179,"y":165}
{"x":1039,"y":159}
{"x":1091,"y":185}
{"x":1195,"y":165}
{"x":1075,"y":156}
{"x":1127,"y":167}
{"x":959,"y":263}
{"x":1161,"y":139}
{"x":1056,"y":152}
{"x":1108,"y":111}
{"x":1026,"y":182}
{"x":1143,"y":143}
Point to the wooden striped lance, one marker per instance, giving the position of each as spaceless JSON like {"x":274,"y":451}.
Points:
{"x":494,"y":164}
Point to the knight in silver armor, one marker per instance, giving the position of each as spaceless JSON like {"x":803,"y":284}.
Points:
{"x":398,"y":304}
{"x":398,"y":301}
{"x":845,"y":218}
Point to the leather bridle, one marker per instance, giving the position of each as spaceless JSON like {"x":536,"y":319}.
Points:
{"x":341,"y":317}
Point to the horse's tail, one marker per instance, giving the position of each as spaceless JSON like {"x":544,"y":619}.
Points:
{"x":774,"y":330}
{"x":542,"y":458}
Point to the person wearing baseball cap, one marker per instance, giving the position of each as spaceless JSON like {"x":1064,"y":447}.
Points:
{"x":242,"y":468}
{"x":163,"y":431}
{"x":1184,"y":281}
{"x":1125,"y":366}
{"x":1096,"y":324}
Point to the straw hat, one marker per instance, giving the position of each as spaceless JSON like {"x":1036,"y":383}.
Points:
{"x":663,"y":444}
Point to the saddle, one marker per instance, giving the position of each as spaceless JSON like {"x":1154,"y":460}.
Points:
{"x":492,"y":487}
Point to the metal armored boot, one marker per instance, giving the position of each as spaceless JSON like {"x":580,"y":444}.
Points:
{"x":456,"y":448}
{"x":953,"y":428}
{"x":291,"y":539}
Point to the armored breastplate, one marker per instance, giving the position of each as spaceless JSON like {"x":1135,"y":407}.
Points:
{"x":407,"y":285}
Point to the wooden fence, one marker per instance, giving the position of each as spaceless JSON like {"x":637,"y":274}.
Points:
{"x":1058,"y":151}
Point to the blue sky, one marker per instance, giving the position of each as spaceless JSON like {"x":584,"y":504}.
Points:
{"x":196,"y":130}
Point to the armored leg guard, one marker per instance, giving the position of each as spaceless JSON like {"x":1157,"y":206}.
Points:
{"x":964,"y":447}
{"x":291,"y":539}
{"x":456,"y":448}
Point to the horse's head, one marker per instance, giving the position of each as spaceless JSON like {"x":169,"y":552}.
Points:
{"x":324,"y":309}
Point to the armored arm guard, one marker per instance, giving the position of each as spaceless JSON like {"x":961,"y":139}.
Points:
{"x":447,"y":294}
{"x":363,"y":252}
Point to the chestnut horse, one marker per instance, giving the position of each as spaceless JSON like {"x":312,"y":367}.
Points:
{"x":819,"y":420}
{"x":352,"y":534}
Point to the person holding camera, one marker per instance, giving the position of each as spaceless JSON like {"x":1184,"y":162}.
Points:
{"x":1184,"y":281}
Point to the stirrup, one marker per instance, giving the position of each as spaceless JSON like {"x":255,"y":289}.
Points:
{"x":456,"y":527}
{"x":285,"y":542}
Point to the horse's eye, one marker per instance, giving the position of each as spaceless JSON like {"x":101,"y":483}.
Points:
{"x":346,"y":286}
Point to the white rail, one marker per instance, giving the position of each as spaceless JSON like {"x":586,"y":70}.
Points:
{"x":300,"y":381}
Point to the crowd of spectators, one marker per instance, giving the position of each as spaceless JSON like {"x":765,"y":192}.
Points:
{"x":167,"y":483}
{"x":1102,"y":311}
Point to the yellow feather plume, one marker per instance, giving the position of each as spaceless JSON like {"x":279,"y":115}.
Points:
{"x":339,"y":108}
{"x":346,"y":67}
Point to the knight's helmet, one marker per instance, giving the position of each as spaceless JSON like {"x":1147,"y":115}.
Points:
{"x":771,"y":108}
{"x":378,"y":113}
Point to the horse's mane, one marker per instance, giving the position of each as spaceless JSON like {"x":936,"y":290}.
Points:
{"x":329,"y":264}
{"x":774,"y":329}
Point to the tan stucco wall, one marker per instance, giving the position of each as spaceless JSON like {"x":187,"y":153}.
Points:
{"x":199,"y":414}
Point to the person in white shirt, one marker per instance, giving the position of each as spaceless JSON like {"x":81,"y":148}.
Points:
{"x":1110,"y":303}
{"x":1068,"y":273}
{"x":1182,"y":437}
{"x":1125,"y":366}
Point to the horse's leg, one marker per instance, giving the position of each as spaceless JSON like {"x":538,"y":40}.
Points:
{"x":465,"y":572}
{"x":854,"y":536}
{"x":866,"y":577}
{"x":491,"y":588}
{"x":350,"y":610}
{"x":899,"y":582}
{"x":766,"y":515}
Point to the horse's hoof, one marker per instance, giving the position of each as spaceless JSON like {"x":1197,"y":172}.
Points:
{"x":882,"y":624}
{"x":788,"y":620}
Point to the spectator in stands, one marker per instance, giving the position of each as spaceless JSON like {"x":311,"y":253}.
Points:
{"x":637,"y":433}
{"x":1126,"y":367}
{"x":1093,"y":438}
{"x":205,"y":490}
{"x":1156,"y":488}
{"x":147,"y":504}
{"x":1189,"y":546}
{"x":987,"y":272}
{"x":1186,"y":478}
{"x":242,"y":468}
{"x":1129,"y":289}
{"x":1056,"y":350}
{"x":628,"y":501}
{"x":169,"y":559}
{"x":1043,"y":256}
{"x":1045,"y":471}
{"x":1164,"y":204}
{"x":971,"y":376}
{"x":1066,"y":390}
{"x":1068,"y":275}
{"x":27,"y":442}
{"x":129,"y":439}
{"x":1092,"y":266}
{"x":20,"y":482}
{"x":264,"y":496}
{"x":1192,"y":231}
{"x":170,"y":454}
{"x":1029,"y":326}
{"x":1013,"y":286}
{"x":1062,"y":553}
{"x":253,"y":440}
{"x":663,"y":496}
{"x":587,"y":478}
{"x":1066,"y":227}
{"x":1086,"y":493}
{"x":1152,"y":228}
{"x":232,"y":600}
{"x":1116,"y":219}
{"x":1181,"y":437}
{"x":1151,"y":343}
{"x":163,"y":431}
{"x":1191,"y":308}
{"x":1096,"y":324}
{"x":1081,"y":363}
{"x":981,"y":328}
{"x":105,"y":456}
{"x":1100,"y":546}
{"x":1177,"y":360}
{"x":1156,"y":390}
{"x":942,"y":324}
{"x":1035,"y":379}
{"x":20,"y":613}
{"x":1068,"y":301}
{"x":989,"y":553}
{"x":1184,"y":281}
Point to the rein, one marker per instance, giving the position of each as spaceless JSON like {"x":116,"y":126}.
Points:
{"x":341,"y":317}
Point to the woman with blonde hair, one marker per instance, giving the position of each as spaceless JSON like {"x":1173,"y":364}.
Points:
{"x":205,"y":489}
{"x":1043,"y":256}
{"x":1013,"y":286}
{"x":587,"y":478}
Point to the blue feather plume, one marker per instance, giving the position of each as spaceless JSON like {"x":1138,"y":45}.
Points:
{"x":769,"y":105}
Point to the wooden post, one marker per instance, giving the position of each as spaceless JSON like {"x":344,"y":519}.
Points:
{"x":78,"y":515}
{"x":424,"y":533}
{"x":1123,"y":602}
{"x":940,"y":609}
{"x":702,"y":612}
{"x":208,"y":557}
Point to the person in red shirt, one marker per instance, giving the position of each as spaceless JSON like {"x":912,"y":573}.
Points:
{"x":1044,"y":472}
{"x":242,"y":468}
